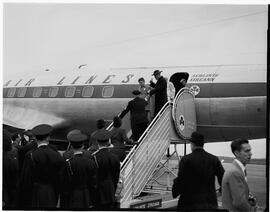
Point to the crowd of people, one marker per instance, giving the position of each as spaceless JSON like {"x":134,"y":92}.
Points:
{"x":78,"y":179}
{"x":87,"y":178}
{"x":148,"y":101}
{"x":37,"y":176}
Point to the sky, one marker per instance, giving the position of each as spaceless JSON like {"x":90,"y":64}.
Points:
{"x":60,"y":37}
{"x":258,"y":148}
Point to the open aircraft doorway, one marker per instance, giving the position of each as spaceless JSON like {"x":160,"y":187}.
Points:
{"x":176,"y":78}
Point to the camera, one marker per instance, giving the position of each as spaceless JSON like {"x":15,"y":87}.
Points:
{"x":252,"y":200}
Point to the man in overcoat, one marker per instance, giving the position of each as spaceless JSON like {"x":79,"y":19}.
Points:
{"x":78,"y":177}
{"x":160,"y":90}
{"x":196,"y":178}
{"x":40,"y":177}
{"x":108,"y":171}
{"x":138,"y":115}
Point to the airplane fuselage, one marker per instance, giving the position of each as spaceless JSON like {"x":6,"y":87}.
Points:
{"x":230,"y":100}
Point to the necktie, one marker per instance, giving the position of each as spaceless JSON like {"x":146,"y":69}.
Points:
{"x":245,"y":171}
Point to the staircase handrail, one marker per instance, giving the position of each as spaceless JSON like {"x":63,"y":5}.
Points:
{"x":150,"y":126}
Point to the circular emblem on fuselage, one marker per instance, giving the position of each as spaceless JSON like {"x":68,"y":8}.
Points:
{"x":195,"y":89}
{"x":182,"y":122}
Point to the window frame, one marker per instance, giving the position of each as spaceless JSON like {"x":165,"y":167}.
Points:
{"x":35,"y":91}
{"x":21,"y":92}
{"x":92,"y":91}
{"x":50,"y":92}
{"x":103,"y":90}
{"x":67,"y":89}
{"x":9,"y":91}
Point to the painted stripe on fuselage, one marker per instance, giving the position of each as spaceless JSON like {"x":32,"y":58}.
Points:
{"x":207,"y":90}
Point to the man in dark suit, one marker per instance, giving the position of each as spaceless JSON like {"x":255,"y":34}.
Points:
{"x":235,"y":191}
{"x":40,"y":177}
{"x":108,"y":171}
{"x":138,"y":115}
{"x":196,"y":177}
{"x":160,"y":91}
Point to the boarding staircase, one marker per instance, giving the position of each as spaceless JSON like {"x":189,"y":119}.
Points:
{"x":143,"y":158}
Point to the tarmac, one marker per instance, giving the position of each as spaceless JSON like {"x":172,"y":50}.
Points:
{"x":256,"y":176}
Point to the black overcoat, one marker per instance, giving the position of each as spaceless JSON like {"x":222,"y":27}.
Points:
{"x":196,"y":180}
{"x":137,"y":110}
{"x":160,"y":91}
{"x":10,"y":180}
{"x":40,"y":178}
{"x":107,"y":177}
{"x":78,"y":180}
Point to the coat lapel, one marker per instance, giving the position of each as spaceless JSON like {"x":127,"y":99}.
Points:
{"x":242,"y":174}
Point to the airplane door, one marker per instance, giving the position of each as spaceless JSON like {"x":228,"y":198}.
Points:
{"x":184,"y":113}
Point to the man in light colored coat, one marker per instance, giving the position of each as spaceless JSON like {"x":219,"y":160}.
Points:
{"x":235,"y":191}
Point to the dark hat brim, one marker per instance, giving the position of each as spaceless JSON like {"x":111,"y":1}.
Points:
{"x":77,"y":138}
{"x":72,"y":132}
{"x":136,"y":92}
{"x":156,"y":73}
{"x":103,"y":135}
{"x":42,"y":130}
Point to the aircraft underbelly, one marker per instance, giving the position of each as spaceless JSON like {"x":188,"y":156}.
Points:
{"x":219,"y":119}
{"x":229,"y":118}
{"x":27,"y":113}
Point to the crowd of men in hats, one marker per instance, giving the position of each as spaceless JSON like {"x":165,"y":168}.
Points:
{"x":37,"y":176}
{"x":83,"y":179}
{"x":79,"y":179}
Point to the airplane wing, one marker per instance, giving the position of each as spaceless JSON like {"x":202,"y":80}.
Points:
{"x":26,"y":118}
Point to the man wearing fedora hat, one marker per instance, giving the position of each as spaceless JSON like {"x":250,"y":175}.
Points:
{"x":159,"y":89}
{"x":195,"y":182}
{"x":138,"y":115}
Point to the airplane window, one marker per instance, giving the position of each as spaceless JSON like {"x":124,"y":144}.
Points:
{"x":107,"y":91}
{"x":11,"y":92}
{"x":37,"y":92}
{"x":21,"y":92}
{"x":53,"y":91}
{"x":87,"y":91}
{"x":70,"y":91}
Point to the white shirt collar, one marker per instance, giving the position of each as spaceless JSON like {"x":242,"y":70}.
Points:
{"x":241,"y":166}
{"x":78,"y":153}
{"x":42,"y":144}
{"x":102,"y":147}
{"x":106,"y":147}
